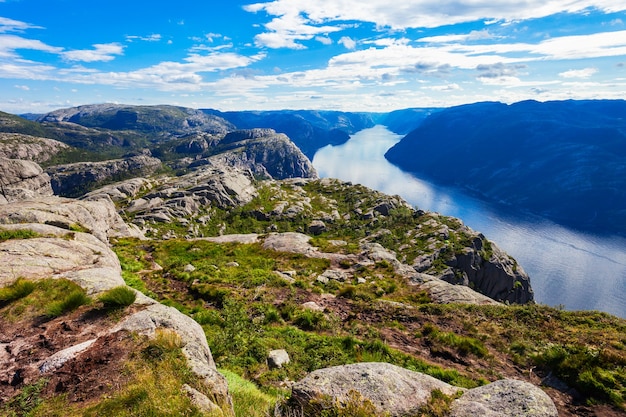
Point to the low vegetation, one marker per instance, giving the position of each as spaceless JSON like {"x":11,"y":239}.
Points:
{"x":246,"y":310}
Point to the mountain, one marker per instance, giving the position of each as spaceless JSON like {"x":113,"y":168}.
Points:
{"x":563,"y":160}
{"x":405,"y":120}
{"x":210,"y":287}
{"x":310,"y":130}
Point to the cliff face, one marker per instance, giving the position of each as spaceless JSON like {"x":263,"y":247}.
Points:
{"x":73,"y":180}
{"x":561,"y":160}
{"x":21,"y":180}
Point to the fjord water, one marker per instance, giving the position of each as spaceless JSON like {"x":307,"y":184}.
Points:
{"x":575,"y":270}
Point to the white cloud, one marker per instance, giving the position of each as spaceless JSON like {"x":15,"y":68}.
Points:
{"x":581,"y":73}
{"x":155,"y":37}
{"x":10,"y":25}
{"x":102,"y":52}
{"x":293,"y":15}
{"x":10,"y":43}
{"x":22,"y":87}
{"x":325,"y":40}
{"x":348,"y":42}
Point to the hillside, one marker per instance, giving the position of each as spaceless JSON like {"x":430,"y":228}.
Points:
{"x":565,"y":161}
{"x":236,"y":282}
{"x":309,"y":130}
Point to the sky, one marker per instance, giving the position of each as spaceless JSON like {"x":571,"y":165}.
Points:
{"x":349,"y":55}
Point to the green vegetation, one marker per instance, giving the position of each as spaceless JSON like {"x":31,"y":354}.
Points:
{"x":48,"y":298}
{"x":118,"y":297}
{"x":67,"y":303}
{"x":8,"y":234}
{"x":246,"y":309}
{"x":19,"y":289}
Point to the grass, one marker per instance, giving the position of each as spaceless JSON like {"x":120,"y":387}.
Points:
{"x":8,"y":234}
{"x":157,"y":372}
{"x":67,"y":303}
{"x":248,"y":399}
{"x":47,"y":298}
{"x":118,"y":297}
{"x":19,"y":289}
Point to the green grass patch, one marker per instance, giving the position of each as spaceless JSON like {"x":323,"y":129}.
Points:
{"x":248,"y":399}
{"x":47,"y":297}
{"x":19,"y":289}
{"x":118,"y":297}
{"x":8,"y":234}
{"x":67,"y":303}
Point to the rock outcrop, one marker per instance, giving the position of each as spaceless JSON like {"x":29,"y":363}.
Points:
{"x":265,"y":153}
{"x":505,"y":397}
{"x":21,"y":180}
{"x":71,"y":241}
{"x":31,"y":148}
{"x":395,"y":392}
{"x":73,"y":180}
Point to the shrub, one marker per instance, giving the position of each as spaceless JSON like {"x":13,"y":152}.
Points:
{"x":118,"y":297}
{"x":19,"y":289}
{"x":70,"y":302}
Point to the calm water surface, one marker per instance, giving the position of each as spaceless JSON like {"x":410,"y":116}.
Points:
{"x":567,"y":268}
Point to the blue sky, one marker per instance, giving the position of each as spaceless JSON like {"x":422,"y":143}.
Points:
{"x":352,"y":55}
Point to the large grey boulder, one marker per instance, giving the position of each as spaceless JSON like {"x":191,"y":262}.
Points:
{"x":22,"y":180}
{"x":398,"y":392}
{"x":506,"y":397}
{"x":195,"y":348}
{"x":98,"y":217}
{"x":443,"y":292}
{"x":390,"y":389}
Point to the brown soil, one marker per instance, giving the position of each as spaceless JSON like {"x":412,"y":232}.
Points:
{"x":91,"y":374}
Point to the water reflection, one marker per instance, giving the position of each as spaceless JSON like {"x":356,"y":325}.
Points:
{"x":576,"y":270}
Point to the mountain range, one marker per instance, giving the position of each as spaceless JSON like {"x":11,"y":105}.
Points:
{"x":167,"y":261}
{"x":564,"y":161}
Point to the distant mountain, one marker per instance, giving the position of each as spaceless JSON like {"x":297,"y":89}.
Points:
{"x":310,"y":130}
{"x":563,"y":160}
{"x":170,"y":120}
{"x":405,"y":120}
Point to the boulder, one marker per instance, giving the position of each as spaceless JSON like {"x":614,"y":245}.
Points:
{"x":443,"y":292}
{"x":277,"y":358}
{"x":98,"y":217}
{"x":317,"y":227}
{"x":506,"y":397}
{"x":391,"y":390}
{"x":22,"y":180}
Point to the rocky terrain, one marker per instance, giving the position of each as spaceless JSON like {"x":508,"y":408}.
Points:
{"x":232,"y":284}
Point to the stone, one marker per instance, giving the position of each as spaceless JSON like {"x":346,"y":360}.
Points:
{"x":442,"y":292}
{"x":202,"y":402}
{"x":390,"y":389}
{"x":335,"y":274}
{"x":506,"y":397}
{"x":277,"y":358}
{"x":22,"y":180}
{"x":312,"y":305}
{"x":317,"y":227}
{"x":189,"y":268}
{"x":57,"y":360}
